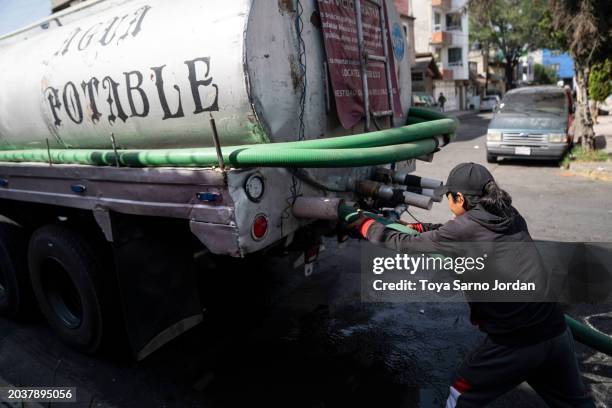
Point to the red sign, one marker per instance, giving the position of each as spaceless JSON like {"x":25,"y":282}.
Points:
{"x":341,"y":45}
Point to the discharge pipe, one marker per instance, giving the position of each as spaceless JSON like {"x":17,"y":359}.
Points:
{"x":429,"y":192}
{"x":393,"y":196}
{"x":406,"y":179}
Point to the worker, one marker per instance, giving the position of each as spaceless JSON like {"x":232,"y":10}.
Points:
{"x":441,"y":101}
{"x":525,"y":341}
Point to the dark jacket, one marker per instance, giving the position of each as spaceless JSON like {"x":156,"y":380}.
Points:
{"x":516,"y":323}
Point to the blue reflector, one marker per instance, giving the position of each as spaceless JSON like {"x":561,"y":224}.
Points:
{"x":208,"y":197}
{"x":3,"y":183}
{"x":78,"y":188}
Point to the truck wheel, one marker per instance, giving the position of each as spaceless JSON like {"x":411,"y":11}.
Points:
{"x":14,"y":283}
{"x":66,"y":282}
{"x":491,"y":158}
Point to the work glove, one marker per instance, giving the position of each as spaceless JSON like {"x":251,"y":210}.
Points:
{"x":424,"y":227}
{"x":353,"y":223}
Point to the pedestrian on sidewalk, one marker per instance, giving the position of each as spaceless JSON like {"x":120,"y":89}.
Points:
{"x":525,"y":341}
{"x":441,"y":101}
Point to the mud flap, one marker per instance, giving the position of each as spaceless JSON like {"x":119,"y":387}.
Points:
{"x":157,"y":281}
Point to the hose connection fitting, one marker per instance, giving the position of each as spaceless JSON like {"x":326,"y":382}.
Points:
{"x":393,"y":196}
{"x":409,"y":183}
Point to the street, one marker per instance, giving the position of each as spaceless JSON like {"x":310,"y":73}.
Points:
{"x":273,"y":337}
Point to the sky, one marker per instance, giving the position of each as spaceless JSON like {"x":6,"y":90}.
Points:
{"x":18,"y":13}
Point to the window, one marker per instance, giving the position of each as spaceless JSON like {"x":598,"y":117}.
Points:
{"x":555,"y":67}
{"x":417,"y":76}
{"x":473,"y":67}
{"x":546,"y":102}
{"x":437,"y":26}
{"x":453,"y":21}
{"x":455,"y":56}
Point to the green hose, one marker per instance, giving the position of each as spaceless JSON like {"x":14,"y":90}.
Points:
{"x":381,"y":147}
{"x":589,"y":337}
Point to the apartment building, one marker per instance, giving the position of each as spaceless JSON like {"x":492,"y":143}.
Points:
{"x":441,"y":28}
{"x":489,"y":70}
{"x":560,"y":61}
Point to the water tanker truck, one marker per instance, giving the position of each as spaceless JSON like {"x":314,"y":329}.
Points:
{"x":139,"y":135}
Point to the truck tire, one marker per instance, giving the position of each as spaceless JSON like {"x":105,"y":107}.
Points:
{"x":491,"y":158}
{"x":15,"y":291}
{"x":66,"y":279}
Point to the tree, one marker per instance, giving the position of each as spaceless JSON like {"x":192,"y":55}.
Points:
{"x":544,"y":75}
{"x":600,"y":81}
{"x":585,"y":28}
{"x":510,"y":26}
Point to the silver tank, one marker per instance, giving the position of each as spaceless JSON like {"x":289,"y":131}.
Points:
{"x":152,"y":72}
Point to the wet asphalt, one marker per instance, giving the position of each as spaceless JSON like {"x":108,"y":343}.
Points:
{"x":274,"y":337}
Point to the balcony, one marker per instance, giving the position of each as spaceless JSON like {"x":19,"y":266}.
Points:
{"x":441,"y":38}
{"x":441,"y":4}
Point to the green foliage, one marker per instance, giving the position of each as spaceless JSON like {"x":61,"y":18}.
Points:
{"x":551,"y":38}
{"x":513,"y":27}
{"x":580,"y":154}
{"x":544,"y":75}
{"x":586,"y":28}
{"x":600,"y":81}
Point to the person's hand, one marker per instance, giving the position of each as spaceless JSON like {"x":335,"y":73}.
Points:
{"x":353,"y":223}
{"x":356,"y":220}
{"x":420,"y":227}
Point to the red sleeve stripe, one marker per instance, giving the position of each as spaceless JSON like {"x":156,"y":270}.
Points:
{"x":365,"y":226}
{"x":461,"y":385}
{"x":417,"y":227}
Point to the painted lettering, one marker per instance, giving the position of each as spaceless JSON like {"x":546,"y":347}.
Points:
{"x":197,"y":83}
{"x":66,"y":45}
{"x":105,"y":40}
{"x":89,"y":88}
{"x":136,"y":22}
{"x":52,"y":95}
{"x":72,"y":103}
{"x":86,"y":103}
{"x":109,"y":32}
{"x":113,"y":99}
{"x":136,"y":88}
{"x":159,"y":83}
{"x":87,"y":37}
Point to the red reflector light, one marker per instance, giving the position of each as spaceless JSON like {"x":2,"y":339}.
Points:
{"x":260,"y":226}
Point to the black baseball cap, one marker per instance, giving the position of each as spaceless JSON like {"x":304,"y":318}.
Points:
{"x":466,"y":178}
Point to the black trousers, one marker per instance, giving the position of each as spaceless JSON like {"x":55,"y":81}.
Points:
{"x":549,"y":367}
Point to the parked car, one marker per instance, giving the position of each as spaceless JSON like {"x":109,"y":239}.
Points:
{"x":489,"y":103}
{"x":605,"y":107}
{"x":423,"y":99}
{"x":532,"y":122}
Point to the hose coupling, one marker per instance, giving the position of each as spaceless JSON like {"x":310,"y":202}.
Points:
{"x":389,"y":176}
{"x":392,"y":197}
